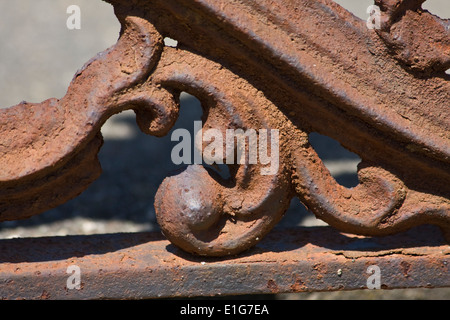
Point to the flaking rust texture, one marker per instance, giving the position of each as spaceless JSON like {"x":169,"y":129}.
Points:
{"x":295,"y":66}
{"x":145,"y":265}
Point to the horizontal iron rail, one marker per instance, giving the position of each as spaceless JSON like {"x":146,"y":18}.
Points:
{"x":146,"y":265}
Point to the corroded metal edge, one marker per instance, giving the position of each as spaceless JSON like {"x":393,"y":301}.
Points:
{"x":294,"y":67}
{"x":144,"y":265}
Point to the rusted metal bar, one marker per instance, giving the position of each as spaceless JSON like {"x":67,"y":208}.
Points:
{"x":145,"y":265}
{"x":293,"y":66}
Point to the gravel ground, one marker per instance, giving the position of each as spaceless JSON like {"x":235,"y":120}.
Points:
{"x":39,"y":57}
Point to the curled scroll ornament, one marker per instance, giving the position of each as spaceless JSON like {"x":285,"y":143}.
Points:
{"x":49,"y":153}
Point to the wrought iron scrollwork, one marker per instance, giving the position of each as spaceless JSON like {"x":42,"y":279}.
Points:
{"x":298,"y":67}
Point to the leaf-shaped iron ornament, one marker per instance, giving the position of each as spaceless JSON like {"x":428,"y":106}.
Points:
{"x":292,"y":66}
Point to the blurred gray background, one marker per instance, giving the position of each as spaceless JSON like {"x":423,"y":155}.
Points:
{"x":39,"y":56}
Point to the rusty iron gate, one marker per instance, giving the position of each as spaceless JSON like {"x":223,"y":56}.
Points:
{"x":286,"y":68}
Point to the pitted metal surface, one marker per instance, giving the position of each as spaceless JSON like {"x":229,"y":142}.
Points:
{"x":145,"y":265}
{"x":295,"y":66}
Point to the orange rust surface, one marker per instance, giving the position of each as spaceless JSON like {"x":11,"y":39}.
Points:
{"x":145,"y":265}
{"x":299,"y":67}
